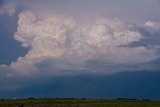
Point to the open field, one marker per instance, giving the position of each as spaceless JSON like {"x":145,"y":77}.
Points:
{"x":77,"y":103}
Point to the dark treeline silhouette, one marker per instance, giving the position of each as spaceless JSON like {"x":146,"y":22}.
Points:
{"x":126,"y":99}
{"x":32,"y":98}
{"x":133,"y":99}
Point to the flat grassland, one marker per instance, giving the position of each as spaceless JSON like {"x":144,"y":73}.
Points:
{"x":77,"y":103}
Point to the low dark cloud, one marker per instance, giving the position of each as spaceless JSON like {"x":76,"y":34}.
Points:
{"x":127,"y":85}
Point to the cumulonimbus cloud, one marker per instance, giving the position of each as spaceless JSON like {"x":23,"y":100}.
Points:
{"x":71,"y":44}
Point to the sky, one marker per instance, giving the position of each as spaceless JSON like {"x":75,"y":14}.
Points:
{"x":81,"y":49}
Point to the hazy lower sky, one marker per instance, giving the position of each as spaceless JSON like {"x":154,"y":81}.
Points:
{"x":49,"y":48}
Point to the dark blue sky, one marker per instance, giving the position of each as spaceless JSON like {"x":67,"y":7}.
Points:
{"x":81,"y":49}
{"x":10,"y":49}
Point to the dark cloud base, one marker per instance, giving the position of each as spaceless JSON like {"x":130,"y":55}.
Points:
{"x":127,"y":85}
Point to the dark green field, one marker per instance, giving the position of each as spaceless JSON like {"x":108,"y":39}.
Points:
{"x":78,"y":103}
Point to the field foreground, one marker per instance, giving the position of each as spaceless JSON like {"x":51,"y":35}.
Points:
{"x":77,"y":103}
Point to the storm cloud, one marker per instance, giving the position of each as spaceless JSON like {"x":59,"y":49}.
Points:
{"x":68,"y":44}
{"x":71,"y":38}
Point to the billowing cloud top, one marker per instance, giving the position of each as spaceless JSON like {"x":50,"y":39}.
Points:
{"x":63,"y":44}
{"x":71,"y":44}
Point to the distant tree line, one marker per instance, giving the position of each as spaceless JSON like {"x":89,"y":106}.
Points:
{"x":32,"y":98}
{"x":132,"y":99}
